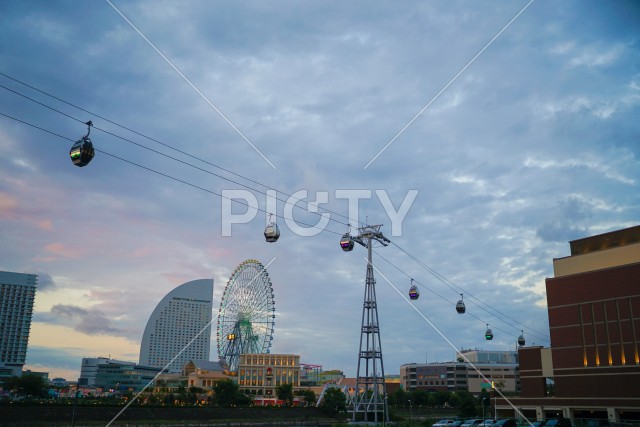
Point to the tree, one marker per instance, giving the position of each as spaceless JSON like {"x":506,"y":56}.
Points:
{"x":431,"y":400}
{"x":309,"y":397}
{"x":442,"y":397}
{"x":418,"y":397}
{"x":285,"y":393}
{"x":334,"y":401}
{"x":484,"y":398}
{"x":182,"y":394}
{"x":227,"y":393}
{"x":454,"y":400}
{"x":27,"y":385}
{"x":399,"y":397}
{"x":467,"y":405}
{"x":170,"y":399}
{"x":224,"y":393}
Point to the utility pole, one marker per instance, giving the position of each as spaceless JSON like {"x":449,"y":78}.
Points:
{"x":370,"y":399}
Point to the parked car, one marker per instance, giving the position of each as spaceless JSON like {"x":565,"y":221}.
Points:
{"x":486,"y":423}
{"x":537,"y":423}
{"x":456,"y":423}
{"x":473,"y":422}
{"x":506,"y":422}
{"x":558,"y":422}
{"x":444,"y":423}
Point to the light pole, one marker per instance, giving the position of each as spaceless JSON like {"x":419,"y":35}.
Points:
{"x":75,"y":403}
{"x":410,"y":413}
{"x":495,"y":406}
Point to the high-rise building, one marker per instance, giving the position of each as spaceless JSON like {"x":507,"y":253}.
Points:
{"x":179,"y":329}
{"x":17,"y":293}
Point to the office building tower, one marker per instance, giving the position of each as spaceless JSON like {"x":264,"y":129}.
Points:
{"x":179,"y":329}
{"x":90,"y":366}
{"x":17,"y":293}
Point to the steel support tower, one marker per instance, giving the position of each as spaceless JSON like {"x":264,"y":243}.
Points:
{"x":370,"y":397}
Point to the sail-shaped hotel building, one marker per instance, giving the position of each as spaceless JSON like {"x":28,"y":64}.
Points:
{"x":179,"y":329}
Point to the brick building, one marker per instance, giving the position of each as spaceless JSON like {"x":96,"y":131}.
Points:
{"x":592,"y":369}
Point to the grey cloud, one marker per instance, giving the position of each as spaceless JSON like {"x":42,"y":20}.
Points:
{"x":45,"y":282}
{"x":86,"y":321}
{"x":565,"y":221}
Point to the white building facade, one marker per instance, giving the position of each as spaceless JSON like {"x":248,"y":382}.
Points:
{"x":180,"y":324}
{"x":485,"y":368}
{"x":17,"y":294}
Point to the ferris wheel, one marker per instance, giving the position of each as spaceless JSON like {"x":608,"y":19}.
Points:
{"x":246,"y":315}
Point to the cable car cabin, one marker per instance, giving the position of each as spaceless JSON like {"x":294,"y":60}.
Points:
{"x":346,"y":243}
{"x":460,"y":307}
{"x":521,"y":340}
{"x":414,"y":293}
{"x":488,"y":335}
{"x":272,"y":232}
{"x":82,"y":152}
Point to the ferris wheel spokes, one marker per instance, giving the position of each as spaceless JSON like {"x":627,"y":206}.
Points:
{"x":246,"y":317}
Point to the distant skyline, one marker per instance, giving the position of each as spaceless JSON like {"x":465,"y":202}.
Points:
{"x":514,"y":124}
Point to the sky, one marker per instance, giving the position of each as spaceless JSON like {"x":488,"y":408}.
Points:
{"x":483,"y":136}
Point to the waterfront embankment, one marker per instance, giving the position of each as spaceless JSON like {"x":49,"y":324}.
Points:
{"x":54,"y":416}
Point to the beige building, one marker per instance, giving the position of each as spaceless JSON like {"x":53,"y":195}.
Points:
{"x":260,"y":374}
{"x":203,"y":373}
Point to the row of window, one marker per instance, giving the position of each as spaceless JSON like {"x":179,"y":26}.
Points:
{"x":432,"y":383}
{"x":259,"y":383}
{"x":260,"y":373}
{"x":266,"y":360}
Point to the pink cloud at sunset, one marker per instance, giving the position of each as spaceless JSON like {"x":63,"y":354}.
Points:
{"x":7,"y":205}
{"x":62,"y":250}
{"x":45,"y":224}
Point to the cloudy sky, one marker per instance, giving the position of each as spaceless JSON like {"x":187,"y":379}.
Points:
{"x":516,"y":123}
